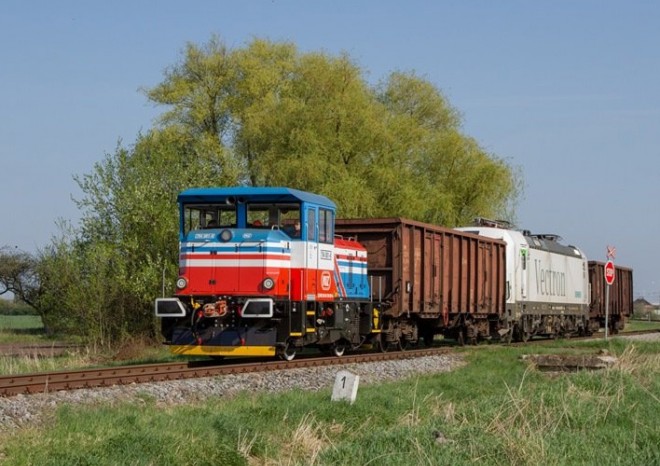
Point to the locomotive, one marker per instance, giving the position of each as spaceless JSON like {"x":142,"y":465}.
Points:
{"x":262,"y":274}
{"x":269,"y":271}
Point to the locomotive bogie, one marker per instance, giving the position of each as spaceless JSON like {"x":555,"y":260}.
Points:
{"x":265,"y":332}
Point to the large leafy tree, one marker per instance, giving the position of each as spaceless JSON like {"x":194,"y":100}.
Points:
{"x":311,"y":121}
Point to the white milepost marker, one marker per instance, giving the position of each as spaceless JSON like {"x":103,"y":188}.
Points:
{"x":346,"y":387}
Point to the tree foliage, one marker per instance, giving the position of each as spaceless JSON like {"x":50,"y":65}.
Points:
{"x":263,"y":114}
{"x":312,"y":121}
{"x":18,"y":275}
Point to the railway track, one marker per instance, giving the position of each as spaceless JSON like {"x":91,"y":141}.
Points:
{"x":124,"y":375}
{"x":106,"y":377}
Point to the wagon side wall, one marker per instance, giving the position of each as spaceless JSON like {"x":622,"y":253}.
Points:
{"x":621,"y":291}
{"x":429,"y":270}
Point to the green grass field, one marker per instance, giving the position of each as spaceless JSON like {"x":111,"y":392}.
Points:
{"x":634,"y":325}
{"x":21,"y":329}
{"x":494,"y":411}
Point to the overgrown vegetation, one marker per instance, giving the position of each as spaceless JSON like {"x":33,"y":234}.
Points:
{"x":634,"y":325}
{"x":495,"y":410}
{"x":21,"y":330}
{"x":262,"y":114}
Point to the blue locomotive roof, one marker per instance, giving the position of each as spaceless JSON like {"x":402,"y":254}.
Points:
{"x":276,"y":194}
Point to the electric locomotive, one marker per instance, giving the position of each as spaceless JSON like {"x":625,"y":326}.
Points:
{"x":262,"y":274}
{"x":547,"y":282}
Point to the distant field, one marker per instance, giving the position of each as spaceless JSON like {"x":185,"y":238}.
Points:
{"x":20,"y":322}
{"x":21,"y":329}
{"x":634,"y":325}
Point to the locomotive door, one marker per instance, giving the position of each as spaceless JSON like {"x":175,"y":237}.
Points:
{"x":311,"y":255}
{"x":524,"y":266}
{"x":325,"y":257}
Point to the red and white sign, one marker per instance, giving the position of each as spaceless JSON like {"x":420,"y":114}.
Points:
{"x":609,"y":272}
{"x":326,"y":281}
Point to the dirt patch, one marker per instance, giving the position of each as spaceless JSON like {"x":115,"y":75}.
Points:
{"x":570,"y":362}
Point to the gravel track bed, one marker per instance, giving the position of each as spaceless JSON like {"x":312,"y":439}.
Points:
{"x":27,"y":410}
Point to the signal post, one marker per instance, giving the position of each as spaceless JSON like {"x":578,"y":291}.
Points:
{"x":610,"y":273}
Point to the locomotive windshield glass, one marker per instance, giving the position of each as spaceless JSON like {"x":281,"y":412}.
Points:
{"x":201,"y":216}
{"x":274,"y":216}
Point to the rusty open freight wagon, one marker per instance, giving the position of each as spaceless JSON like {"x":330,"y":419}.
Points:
{"x":432,"y":279}
{"x":620,"y":298}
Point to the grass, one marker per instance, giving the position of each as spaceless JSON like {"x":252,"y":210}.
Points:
{"x":21,"y":329}
{"x":495,"y":410}
{"x":137,"y":352}
{"x":635,"y":325}
{"x":28,"y":329}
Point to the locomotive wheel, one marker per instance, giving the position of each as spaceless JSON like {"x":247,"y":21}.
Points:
{"x":339,"y":348}
{"x":288,"y":353}
{"x":520,"y":334}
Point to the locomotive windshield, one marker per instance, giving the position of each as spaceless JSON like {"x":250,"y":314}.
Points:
{"x":200,"y":216}
{"x":274,"y":216}
{"x":283,"y":216}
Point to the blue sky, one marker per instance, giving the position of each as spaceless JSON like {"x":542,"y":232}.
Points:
{"x":568,"y":91}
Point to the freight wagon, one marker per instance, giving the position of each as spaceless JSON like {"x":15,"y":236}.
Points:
{"x":430,"y":279}
{"x":620,"y":297}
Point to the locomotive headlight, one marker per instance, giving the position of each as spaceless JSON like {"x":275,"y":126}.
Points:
{"x":268,"y":283}
{"x":181,"y":283}
{"x":225,"y":235}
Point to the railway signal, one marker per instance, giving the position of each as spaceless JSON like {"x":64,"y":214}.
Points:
{"x":609,"y":279}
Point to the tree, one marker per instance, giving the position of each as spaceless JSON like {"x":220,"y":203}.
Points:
{"x":18,"y":275}
{"x":312,"y":122}
{"x":100,"y":281}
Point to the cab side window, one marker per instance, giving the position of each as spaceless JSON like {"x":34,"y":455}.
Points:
{"x":326,"y":224}
{"x":311,"y":224}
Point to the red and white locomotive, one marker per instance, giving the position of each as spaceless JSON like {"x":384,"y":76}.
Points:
{"x":261,"y":273}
